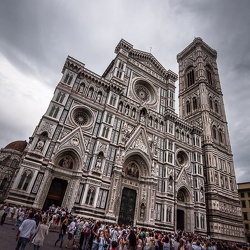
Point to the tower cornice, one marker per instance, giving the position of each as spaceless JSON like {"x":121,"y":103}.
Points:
{"x":196,"y":42}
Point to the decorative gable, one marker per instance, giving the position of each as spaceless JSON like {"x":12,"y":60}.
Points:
{"x":74,"y":140}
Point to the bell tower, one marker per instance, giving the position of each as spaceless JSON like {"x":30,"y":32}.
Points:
{"x":201,"y":103}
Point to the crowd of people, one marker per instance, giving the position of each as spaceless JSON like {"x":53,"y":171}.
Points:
{"x":86,"y":234}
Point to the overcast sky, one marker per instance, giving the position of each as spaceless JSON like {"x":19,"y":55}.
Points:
{"x":37,"y":36}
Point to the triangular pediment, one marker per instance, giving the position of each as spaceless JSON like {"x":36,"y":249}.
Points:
{"x":149,"y":61}
{"x":145,"y":59}
{"x":139,"y":141}
{"x":74,"y":140}
{"x":183,"y":180}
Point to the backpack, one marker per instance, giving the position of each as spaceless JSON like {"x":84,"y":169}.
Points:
{"x":87,"y":231}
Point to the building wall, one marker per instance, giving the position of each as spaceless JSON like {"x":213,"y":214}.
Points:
{"x":112,"y":147}
{"x":244,"y":196}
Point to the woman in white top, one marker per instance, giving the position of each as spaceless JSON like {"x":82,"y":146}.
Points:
{"x":41,"y":231}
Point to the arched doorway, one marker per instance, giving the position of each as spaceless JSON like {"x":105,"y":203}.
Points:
{"x":56,"y":193}
{"x":180,"y":219}
{"x":127,"y":208}
{"x":183,"y":210}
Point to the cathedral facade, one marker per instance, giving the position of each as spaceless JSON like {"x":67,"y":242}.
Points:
{"x":112,"y":147}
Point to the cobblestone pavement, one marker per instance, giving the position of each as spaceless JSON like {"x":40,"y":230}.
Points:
{"x":8,"y":238}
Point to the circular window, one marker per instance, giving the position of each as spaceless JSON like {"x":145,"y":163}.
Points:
{"x":82,"y":116}
{"x":144,"y":91}
{"x":182,"y":158}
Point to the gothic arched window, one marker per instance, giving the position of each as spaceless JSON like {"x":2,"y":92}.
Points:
{"x":211,"y":102}
{"x":54,"y":111}
{"x":90,"y":196}
{"x":214,"y":132}
{"x":188,"y":107}
{"x":209,"y":76}
{"x":220,"y":136}
{"x":190,"y":77}
{"x":25,"y":180}
{"x":194,"y":103}
{"x":68,"y":78}
{"x":216,"y":107}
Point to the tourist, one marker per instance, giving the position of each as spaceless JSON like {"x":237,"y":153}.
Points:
{"x":25,"y":231}
{"x":71,"y":231}
{"x":85,"y":236}
{"x":6,"y":210}
{"x":62,"y":232}
{"x":41,"y":231}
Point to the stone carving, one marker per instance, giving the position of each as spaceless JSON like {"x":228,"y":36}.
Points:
{"x":39,"y":145}
{"x":139,"y":144}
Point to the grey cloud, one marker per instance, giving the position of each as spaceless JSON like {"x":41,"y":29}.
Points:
{"x":37,"y":36}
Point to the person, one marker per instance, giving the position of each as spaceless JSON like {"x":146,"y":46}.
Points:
{"x":41,"y":231}
{"x":166,"y":243}
{"x":96,"y":235}
{"x":25,"y":232}
{"x":62,"y":232}
{"x":132,"y":240}
{"x":71,"y":231}
{"x":5,"y":213}
{"x":12,"y":213}
{"x":20,"y":218}
{"x":139,"y":243}
{"x":86,"y":234}
{"x":123,"y":241}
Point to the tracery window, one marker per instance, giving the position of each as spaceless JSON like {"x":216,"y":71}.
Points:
{"x":102,"y":198}
{"x":24,"y":181}
{"x":169,"y":214}
{"x":105,"y":132}
{"x":209,"y":77}
{"x":211,"y":102}
{"x":158,"y":211}
{"x":214,"y":132}
{"x":112,"y":100}
{"x":220,"y":136}
{"x":54,"y":111}
{"x":90,"y":196}
{"x":170,"y":157}
{"x":188,"y":107}
{"x":194,"y":103}
{"x":216,"y":107}
{"x":60,"y":97}
{"x":68,"y":78}
{"x":190,"y":77}
{"x":120,"y":69}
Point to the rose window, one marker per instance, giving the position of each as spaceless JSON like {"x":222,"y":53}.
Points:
{"x":182,"y":158}
{"x":142,"y":93}
{"x":82,"y":116}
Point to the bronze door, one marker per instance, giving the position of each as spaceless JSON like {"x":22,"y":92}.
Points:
{"x":127,"y":208}
{"x":56,"y":193}
{"x":180,"y":219}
